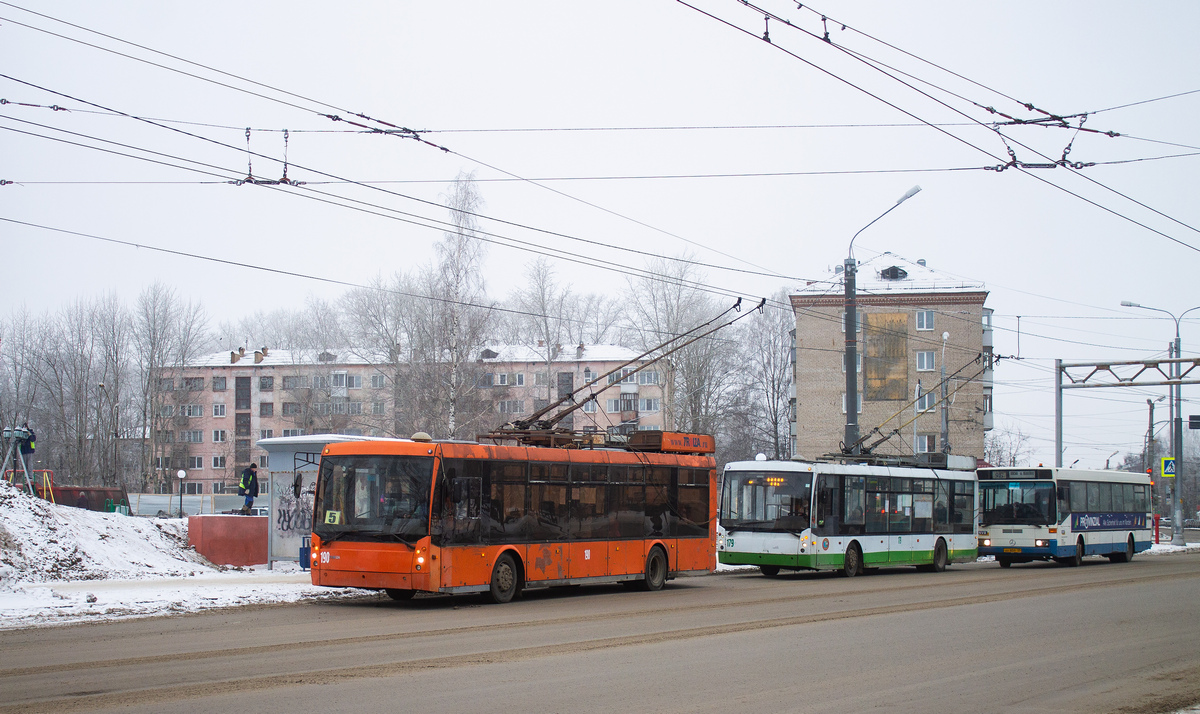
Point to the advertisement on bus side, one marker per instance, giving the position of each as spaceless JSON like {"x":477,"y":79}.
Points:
{"x":1107,"y":521}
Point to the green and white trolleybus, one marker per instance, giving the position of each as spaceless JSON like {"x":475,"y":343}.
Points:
{"x":801,"y":515}
{"x":1062,"y":514}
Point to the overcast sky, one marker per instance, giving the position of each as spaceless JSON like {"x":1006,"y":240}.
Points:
{"x":807,"y":156}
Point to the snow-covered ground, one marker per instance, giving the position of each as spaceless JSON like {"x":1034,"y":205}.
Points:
{"x":61,"y":565}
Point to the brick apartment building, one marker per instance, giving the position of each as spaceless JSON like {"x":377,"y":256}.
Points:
{"x":904,"y":310}
{"x":213,"y":410}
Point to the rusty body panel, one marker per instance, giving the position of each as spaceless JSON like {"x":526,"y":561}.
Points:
{"x":431,"y":565}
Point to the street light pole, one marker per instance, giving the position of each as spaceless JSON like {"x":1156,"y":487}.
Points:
{"x":850,"y":443}
{"x":1176,"y":392}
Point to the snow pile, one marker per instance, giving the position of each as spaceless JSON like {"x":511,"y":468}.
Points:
{"x":40,"y":541}
{"x":61,"y":565}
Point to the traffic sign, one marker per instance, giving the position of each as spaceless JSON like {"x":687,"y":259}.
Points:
{"x":1168,"y":467}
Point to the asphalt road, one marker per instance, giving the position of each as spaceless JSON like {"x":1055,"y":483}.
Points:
{"x":1032,"y":638}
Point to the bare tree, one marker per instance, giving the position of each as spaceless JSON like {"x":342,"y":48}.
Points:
{"x":767,"y":344}
{"x":1007,"y":447}
{"x":546,"y":323}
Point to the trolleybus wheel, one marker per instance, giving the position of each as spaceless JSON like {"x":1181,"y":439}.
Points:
{"x":656,"y":570}
{"x":769,"y":570}
{"x":398,"y":594}
{"x":940,"y":557}
{"x":1004,"y":562}
{"x":852,"y":564}
{"x":506,"y":580}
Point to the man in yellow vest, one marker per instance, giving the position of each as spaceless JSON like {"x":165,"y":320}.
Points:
{"x":248,"y":487}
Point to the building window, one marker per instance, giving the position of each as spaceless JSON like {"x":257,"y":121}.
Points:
{"x":925,"y":361}
{"x":540,"y":379}
{"x":377,"y":408}
{"x":218,"y":462}
{"x":321,"y":381}
{"x":354,"y":407}
{"x":193,"y":488}
{"x":218,"y":436}
{"x":859,"y":317}
{"x":166,"y":385}
{"x":926,"y":401}
{"x":162,"y":462}
{"x":339,"y":379}
{"x":857,"y":361}
{"x":624,"y":404}
{"x":293,"y":382}
{"x":293,"y":432}
{"x":624,"y":376}
{"x":241,"y":425}
{"x":589,"y":407}
{"x":219,"y":486}
{"x":354,"y":381}
{"x":987,"y":401}
{"x":859,"y":402}
{"x":925,"y":319}
{"x":266,"y":384}
{"x":218,"y":384}
{"x":501,"y":380}
{"x":195,"y":462}
{"x":264,"y":460}
{"x":292,"y":409}
{"x":649,"y":427}
{"x":165,"y":437}
{"x":166,"y":411}
{"x":266,"y":433}
{"x":485,"y":380}
{"x":192,"y":410}
{"x":193,"y":384}
{"x":647,"y":405}
{"x":648,"y":377}
{"x":266,"y":409}
{"x":192,"y":436}
{"x":588,"y":375}
{"x":926,"y":443}
{"x":378,"y":381}
{"x":218,"y":410}
{"x":512,"y":406}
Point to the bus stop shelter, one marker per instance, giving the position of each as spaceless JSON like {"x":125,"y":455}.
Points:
{"x":293,"y":467}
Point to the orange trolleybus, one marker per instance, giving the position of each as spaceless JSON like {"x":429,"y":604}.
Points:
{"x":408,"y":516}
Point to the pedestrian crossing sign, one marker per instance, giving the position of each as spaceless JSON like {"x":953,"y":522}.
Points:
{"x":1168,"y":467}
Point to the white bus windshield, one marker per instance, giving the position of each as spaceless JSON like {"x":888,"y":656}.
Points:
{"x":766,"y":500}
{"x":1017,"y":503}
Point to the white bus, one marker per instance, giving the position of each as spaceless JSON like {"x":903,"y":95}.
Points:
{"x":797,"y":515}
{"x":1062,"y":514}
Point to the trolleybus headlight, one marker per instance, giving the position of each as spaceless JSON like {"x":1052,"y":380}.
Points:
{"x":1039,"y":543}
{"x":987,"y":542}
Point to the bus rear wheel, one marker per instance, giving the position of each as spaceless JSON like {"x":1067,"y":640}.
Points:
{"x":655,"y":575}
{"x":506,"y":580}
{"x":1004,"y":562}
{"x":1124,"y":556}
{"x":398,"y":594}
{"x":852,"y":564}
{"x":769,"y":570}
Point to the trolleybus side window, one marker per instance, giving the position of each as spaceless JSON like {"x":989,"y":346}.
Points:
{"x":855,"y":506}
{"x":1078,"y":497}
{"x":505,"y":518}
{"x":828,"y":518}
{"x":693,"y":503}
{"x":964,"y":507}
{"x":548,"y":498}
{"x":941,"y":507}
{"x":658,"y":487}
{"x":589,"y":515}
{"x":627,"y":496}
{"x":878,"y":504}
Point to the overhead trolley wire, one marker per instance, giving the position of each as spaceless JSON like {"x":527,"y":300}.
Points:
{"x":392,"y":129}
{"x":874,"y":64}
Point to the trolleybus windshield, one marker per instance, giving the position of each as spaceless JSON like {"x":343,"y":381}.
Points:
{"x":1017,"y":503}
{"x":373,"y":498}
{"x":766,"y":501}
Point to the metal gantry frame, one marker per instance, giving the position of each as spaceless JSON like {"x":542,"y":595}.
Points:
{"x":1171,"y":373}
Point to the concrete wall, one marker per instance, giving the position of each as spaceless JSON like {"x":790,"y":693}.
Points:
{"x":229,"y":540}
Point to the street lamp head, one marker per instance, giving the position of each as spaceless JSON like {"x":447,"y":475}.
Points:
{"x":1126,"y":303}
{"x":911,"y":192}
{"x":181,"y":474}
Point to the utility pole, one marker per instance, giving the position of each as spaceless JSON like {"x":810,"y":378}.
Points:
{"x":850,"y":443}
{"x":945,"y":400}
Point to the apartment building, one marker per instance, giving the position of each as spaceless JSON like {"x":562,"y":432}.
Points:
{"x":913,"y":323}
{"x":213,"y":410}
{"x":524,"y":379}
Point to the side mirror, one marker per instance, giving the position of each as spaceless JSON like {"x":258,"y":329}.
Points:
{"x":297,"y":483}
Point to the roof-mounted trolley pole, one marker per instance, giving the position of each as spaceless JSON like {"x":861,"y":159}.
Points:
{"x":525,"y":427}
